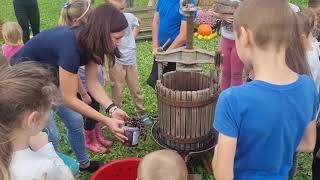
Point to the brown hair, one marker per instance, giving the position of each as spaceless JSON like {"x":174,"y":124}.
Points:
{"x":12,"y":33}
{"x":306,"y":21}
{"x":94,"y":37}
{"x":119,"y":4}
{"x":74,"y":10}
{"x":24,"y":87}
{"x":282,"y":31}
{"x":162,"y":165}
{"x":314,"y":3}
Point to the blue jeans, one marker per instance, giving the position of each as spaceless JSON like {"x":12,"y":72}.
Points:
{"x":74,"y":124}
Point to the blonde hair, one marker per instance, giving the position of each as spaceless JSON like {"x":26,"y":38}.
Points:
{"x":25,"y":87}
{"x":162,"y":165}
{"x":74,"y":10}
{"x":12,"y":33}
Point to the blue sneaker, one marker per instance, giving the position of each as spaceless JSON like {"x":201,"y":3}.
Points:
{"x":146,"y":120}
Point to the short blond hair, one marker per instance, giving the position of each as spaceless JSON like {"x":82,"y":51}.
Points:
{"x":12,"y":33}
{"x":162,"y":165}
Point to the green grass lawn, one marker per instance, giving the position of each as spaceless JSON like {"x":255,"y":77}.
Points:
{"x":50,"y":10}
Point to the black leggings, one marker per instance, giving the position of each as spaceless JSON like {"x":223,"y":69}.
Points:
{"x":25,"y":14}
{"x":316,"y":160}
{"x":89,"y":123}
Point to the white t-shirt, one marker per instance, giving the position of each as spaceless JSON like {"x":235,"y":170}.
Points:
{"x":314,"y":63}
{"x":43,"y":164}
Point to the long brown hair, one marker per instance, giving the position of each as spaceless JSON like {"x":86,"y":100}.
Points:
{"x":273,"y":22}
{"x":24,"y":87}
{"x":94,"y":36}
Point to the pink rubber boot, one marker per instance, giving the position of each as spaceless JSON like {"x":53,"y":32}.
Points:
{"x":91,"y":142}
{"x":101,"y":139}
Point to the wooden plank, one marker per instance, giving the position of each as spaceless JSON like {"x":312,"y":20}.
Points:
{"x":173,"y":118}
{"x":183,"y":119}
{"x":194,"y":127}
{"x":188,"y":120}
{"x":178,"y":118}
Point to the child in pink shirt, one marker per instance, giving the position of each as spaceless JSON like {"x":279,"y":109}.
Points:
{"x":12,"y":35}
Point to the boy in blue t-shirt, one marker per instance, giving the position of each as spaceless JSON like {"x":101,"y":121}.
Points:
{"x":261,"y":124}
{"x":168,"y":24}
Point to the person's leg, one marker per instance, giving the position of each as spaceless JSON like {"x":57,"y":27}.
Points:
{"x":225,"y":46}
{"x":53,"y":132}
{"x":132,"y":80}
{"x":236,"y":67}
{"x":34,"y":18}
{"x":22,"y":18}
{"x":118,"y":82}
{"x":316,"y":160}
{"x":94,"y":127}
{"x":74,"y":124}
{"x":90,"y":138}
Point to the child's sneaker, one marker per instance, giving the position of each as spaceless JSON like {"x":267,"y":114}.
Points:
{"x":146,"y":120}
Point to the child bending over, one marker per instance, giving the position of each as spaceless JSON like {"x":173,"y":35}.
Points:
{"x":12,"y":36}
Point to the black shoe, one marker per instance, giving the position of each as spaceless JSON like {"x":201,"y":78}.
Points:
{"x":94,"y":165}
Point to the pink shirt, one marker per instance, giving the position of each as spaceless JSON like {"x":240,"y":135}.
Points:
{"x":9,"y":51}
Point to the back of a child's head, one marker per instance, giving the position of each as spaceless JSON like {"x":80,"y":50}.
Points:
{"x":74,"y":11}
{"x":24,"y":88}
{"x":12,"y":33}
{"x":273,"y":24}
{"x":162,"y":165}
{"x":306,"y":21}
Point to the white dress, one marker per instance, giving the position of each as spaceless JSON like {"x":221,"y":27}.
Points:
{"x":43,"y":164}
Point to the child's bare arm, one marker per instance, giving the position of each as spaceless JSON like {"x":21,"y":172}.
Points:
{"x":308,"y":140}
{"x":136,"y":30}
{"x":223,"y":160}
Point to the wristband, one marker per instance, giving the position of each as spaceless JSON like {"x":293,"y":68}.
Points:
{"x":109,"y":107}
{"x":113,"y":110}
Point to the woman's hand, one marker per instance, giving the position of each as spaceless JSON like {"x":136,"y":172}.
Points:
{"x":120,"y":114}
{"x":115,"y":126}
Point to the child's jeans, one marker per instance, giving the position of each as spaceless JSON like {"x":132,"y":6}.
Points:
{"x":74,"y":124}
{"x":232,"y":67}
{"x":120,"y":76}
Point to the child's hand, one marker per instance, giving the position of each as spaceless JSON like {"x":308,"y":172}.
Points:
{"x":228,"y":18}
{"x":38,"y":141}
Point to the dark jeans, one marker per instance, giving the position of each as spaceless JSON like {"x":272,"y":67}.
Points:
{"x":25,"y":14}
{"x":316,"y":160}
{"x":90,"y":124}
{"x":153,"y":77}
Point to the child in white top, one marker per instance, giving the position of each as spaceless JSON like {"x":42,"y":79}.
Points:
{"x":27,"y":94}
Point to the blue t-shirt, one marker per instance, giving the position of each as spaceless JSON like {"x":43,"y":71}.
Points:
{"x":269,"y":122}
{"x":170,"y":20}
{"x":53,"y":47}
